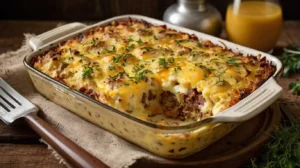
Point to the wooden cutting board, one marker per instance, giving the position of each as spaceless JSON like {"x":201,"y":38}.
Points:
{"x":232,"y":151}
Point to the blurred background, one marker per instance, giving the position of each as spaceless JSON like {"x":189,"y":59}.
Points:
{"x":71,"y":10}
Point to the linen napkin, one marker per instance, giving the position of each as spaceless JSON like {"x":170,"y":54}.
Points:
{"x":106,"y":146}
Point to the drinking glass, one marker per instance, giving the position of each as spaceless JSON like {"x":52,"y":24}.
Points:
{"x":254,"y":23}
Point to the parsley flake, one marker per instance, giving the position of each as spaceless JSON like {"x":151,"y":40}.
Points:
{"x":142,"y":75}
{"x":111,"y":68}
{"x":171,"y":60}
{"x":139,"y":41}
{"x":162,"y":63}
{"x":131,"y":47}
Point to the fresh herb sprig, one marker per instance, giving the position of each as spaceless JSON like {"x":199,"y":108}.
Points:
{"x":290,"y":61}
{"x":284,"y":149}
{"x":295,"y":88}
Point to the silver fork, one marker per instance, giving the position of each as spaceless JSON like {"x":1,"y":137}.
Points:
{"x":14,"y":106}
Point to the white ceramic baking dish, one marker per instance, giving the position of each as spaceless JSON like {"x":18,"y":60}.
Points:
{"x":165,"y":141}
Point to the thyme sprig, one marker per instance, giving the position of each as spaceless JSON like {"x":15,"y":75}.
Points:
{"x":290,"y":61}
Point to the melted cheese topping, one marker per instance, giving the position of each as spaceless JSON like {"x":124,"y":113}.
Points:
{"x":147,"y":70}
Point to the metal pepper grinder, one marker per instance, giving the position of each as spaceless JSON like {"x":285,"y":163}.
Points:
{"x":196,"y":15}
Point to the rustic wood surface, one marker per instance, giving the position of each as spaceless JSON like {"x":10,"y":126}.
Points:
{"x":19,"y":145}
{"x":103,"y":9}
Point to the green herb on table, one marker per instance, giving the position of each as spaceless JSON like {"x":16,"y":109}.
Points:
{"x":290,"y":61}
{"x":284,"y":149}
{"x":295,"y":88}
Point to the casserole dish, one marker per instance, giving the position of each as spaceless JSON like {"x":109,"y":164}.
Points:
{"x":166,"y":141}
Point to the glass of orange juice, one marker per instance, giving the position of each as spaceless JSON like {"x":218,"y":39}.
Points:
{"x":254,"y":23}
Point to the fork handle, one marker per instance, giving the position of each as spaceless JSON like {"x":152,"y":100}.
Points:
{"x":71,"y":152}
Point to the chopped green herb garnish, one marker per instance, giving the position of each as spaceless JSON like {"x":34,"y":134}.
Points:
{"x":199,"y":44}
{"x":129,"y":40}
{"x":138,"y":68}
{"x":147,"y":48}
{"x":87,"y":72}
{"x":127,"y":55}
{"x":221,"y":54}
{"x":220,"y":82}
{"x":211,"y":69}
{"x":123,"y":64}
{"x":176,"y":69}
{"x":111,"y":67}
{"x":142,"y":75}
{"x":178,"y":42}
{"x":117,"y":58}
{"x":139,"y":41}
{"x":155,"y":38}
{"x":171,"y":60}
{"x":115,"y":76}
{"x":94,"y":42}
{"x":162,"y":63}
{"x":180,"y":53}
{"x":204,"y":68}
{"x":111,"y":51}
{"x":219,"y":74}
{"x":162,"y":31}
{"x":131,"y":47}
{"x":118,"y":74}
{"x":233,"y":61}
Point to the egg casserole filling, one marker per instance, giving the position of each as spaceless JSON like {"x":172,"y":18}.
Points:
{"x":146,"y":70}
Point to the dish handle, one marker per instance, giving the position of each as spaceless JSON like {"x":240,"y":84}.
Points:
{"x":47,"y":37}
{"x":253,"y":104}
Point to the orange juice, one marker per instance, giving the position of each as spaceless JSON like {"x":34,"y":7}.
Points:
{"x":256,"y":24}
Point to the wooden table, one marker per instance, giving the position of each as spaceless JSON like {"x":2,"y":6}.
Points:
{"x":20,"y":146}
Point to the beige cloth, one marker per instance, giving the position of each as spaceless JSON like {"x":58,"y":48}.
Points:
{"x":109,"y":148}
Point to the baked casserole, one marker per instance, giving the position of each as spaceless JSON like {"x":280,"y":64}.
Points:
{"x":148,"y":71}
